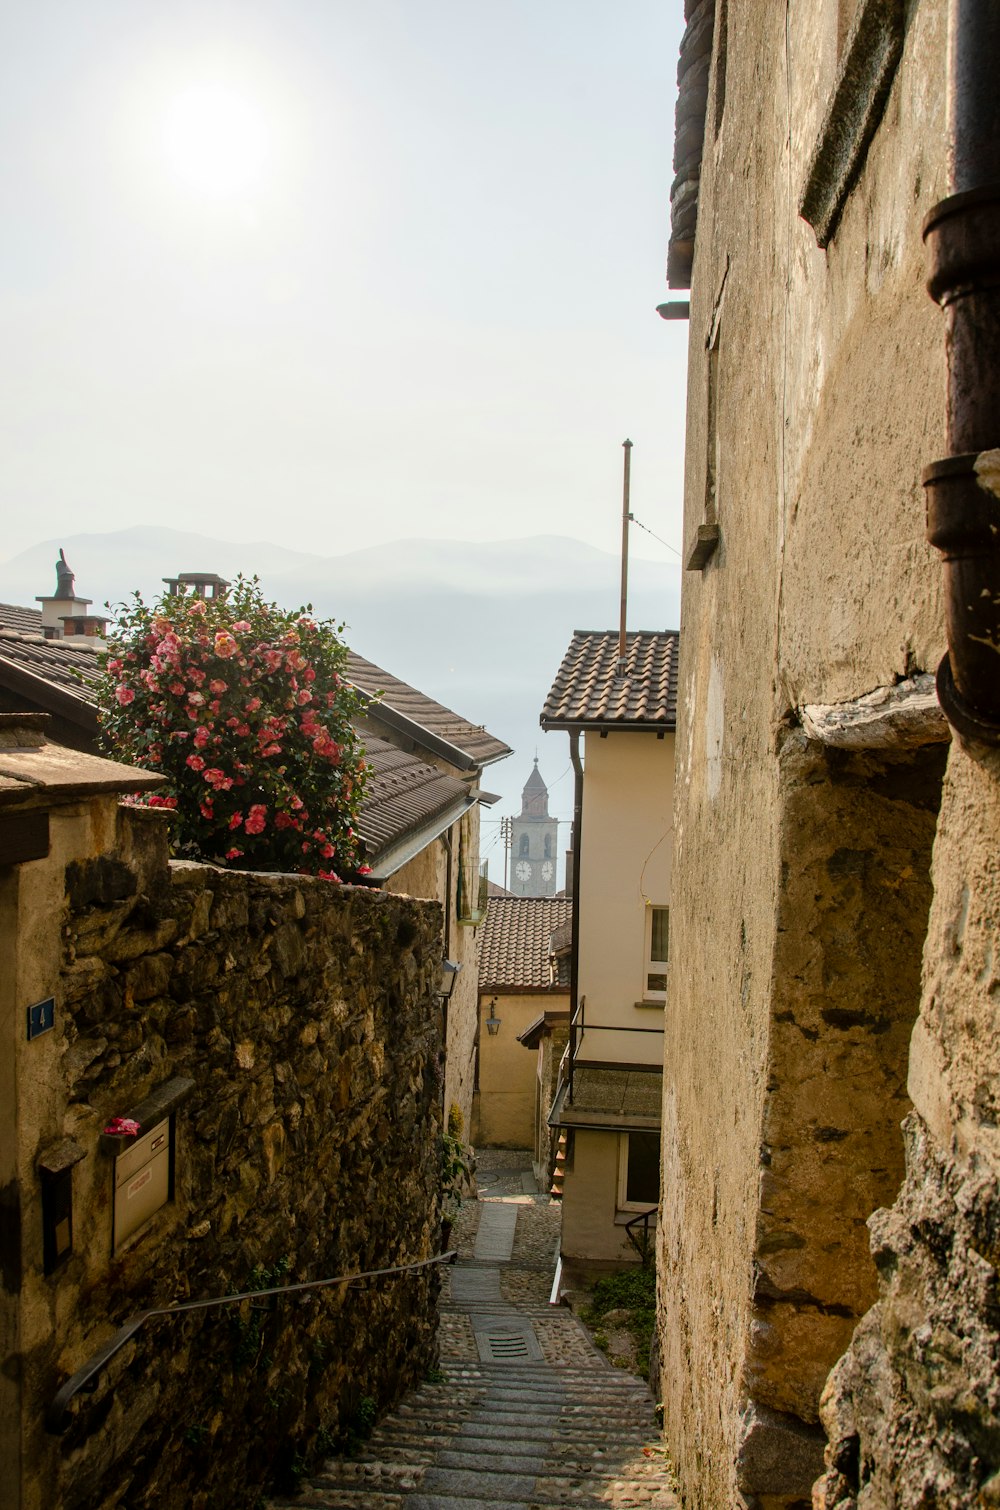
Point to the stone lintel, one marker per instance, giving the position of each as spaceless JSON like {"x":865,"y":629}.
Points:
{"x":889,"y":718}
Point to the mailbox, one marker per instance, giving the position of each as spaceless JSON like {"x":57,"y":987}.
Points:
{"x":142,"y":1180}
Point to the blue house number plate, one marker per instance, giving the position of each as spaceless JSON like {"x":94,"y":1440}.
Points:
{"x":41,"y":1017}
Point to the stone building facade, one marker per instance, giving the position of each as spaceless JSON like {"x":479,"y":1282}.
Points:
{"x":274,"y":1046}
{"x":835,"y":920}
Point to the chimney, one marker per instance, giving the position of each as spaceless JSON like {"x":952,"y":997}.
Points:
{"x":64,"y":604}
{"x":200,"y":584}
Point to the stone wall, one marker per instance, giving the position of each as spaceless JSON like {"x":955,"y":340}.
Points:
{"x":913,"y":1409}
{"x":801,"y":890}
{"x":306,"y":1017}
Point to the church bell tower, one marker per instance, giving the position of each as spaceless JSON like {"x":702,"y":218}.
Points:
{"x":533,"y":842}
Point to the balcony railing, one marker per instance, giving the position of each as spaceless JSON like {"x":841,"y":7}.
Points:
{"x":578,"y":1028}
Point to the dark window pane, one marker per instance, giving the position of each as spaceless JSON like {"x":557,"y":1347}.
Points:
{"x":643,"y":1182}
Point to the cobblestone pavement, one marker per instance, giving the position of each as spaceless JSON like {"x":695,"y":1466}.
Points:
{"x":525,"y":1413}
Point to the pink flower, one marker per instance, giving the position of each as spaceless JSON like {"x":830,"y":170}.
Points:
{"x":198,"y":606}
{"x":225,"y":645}
{"x":236,"y":820}
{"x":233,"y":854}
{"x":200,"y":739}
{"x":256,"y":819}
{"x":125,"y":695}
{"x":285,"y":820}
{"x":178,"y":689}
{"x":218,"y":779}
{"x":122,"y":1127}
{"x":328,"y":851}
{"x":270,"y":750}
{"x":303,"y":697}
{"x":207,"y":811}
{"x":195,"y":762}
{"x":364,"y":870}
{"x":196,"y":699}
{"x":252,"y":705}
{"x":114,"y":666}
{"x":241,"y":627}
{"x":216,"y":686}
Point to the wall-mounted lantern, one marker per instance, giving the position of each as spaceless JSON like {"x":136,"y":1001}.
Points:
{"x":493,"y":1021}
{"x":449,"y":975}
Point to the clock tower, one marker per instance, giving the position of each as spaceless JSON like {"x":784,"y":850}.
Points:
{"x":533,"y":842}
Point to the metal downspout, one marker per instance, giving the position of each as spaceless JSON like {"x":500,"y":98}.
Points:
{"x":962,"y":234}
{"x":574,"y":948}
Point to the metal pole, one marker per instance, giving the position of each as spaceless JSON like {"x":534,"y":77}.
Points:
{"x":626,"y":516}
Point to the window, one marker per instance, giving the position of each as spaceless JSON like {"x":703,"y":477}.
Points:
{"x":523,"y":846}
{"x":654,"y":981}
{"x":638,"y":1171}
{"x":548,"y":847}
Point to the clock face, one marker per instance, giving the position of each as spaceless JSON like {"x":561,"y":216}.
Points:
{"x":522,"y":870}
{"x":547,"y":870}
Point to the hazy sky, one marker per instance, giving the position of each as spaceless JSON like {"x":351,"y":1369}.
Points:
{"x":335,"y":273}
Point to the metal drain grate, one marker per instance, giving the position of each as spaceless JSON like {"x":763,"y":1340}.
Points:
{"x":502,"y":1340}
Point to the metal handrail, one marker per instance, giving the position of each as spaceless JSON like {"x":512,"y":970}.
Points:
{"x":55,"y":1415}
{"x":641,"y":1219}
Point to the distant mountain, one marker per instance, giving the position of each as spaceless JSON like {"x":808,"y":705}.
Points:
{"x":481,"y":626}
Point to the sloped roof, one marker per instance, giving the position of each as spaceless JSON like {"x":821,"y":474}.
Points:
{"x":405,"y":797}
{"x":588,"y":691}
{"x":451,"y":734}
{"x":515,"y":942}
{"x":33,"y":667}
{"x":405,"y":794}
{"x":24,"y":620}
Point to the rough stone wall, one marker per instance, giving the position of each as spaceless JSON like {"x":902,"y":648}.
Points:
{"x":427,"y":875}
{"x":306,"y":1016}
{"x":815,"y":381}
{"x":913,"y":1408}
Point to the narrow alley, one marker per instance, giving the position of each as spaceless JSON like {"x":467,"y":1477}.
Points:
{"x":524,"y":1412}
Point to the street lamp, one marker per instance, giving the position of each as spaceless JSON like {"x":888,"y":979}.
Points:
{"x":493,"y":1021}
{"x":449,"y":975}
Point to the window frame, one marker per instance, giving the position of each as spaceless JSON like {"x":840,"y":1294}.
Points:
{"x":651,"y":966}
{"x":622,"y":1202}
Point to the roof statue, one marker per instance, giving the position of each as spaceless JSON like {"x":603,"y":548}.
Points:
{"x":65,"y":578}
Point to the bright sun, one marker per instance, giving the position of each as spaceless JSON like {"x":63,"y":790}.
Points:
{"x":216,"y":140}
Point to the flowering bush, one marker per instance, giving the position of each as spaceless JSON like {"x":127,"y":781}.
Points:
{"x":241,"y":706}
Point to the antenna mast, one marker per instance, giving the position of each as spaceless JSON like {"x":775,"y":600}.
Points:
{"x":626,"y":516}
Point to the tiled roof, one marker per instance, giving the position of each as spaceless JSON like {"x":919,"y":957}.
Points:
{"x":404,"y":794}
{"x":74,"y":670}
{"x":24,"y":620}
{"x":474,"y":742}
{"x":514,"y":945}
{"x":588,"y":692}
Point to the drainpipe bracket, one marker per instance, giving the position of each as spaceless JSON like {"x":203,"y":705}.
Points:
{"x":965,"y":720}
{"x":962,"y":233}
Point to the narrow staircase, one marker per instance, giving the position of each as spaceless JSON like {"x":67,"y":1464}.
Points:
{"x":524,"y":1412}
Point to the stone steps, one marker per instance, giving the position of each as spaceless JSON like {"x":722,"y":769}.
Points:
{"x":516,"y":1433}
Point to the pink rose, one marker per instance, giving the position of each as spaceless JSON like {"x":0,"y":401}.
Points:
{"x":125,"y":695}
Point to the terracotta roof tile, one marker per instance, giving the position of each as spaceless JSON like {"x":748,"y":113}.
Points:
{"x":588,"y":690}
{"x":515,"y":942}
